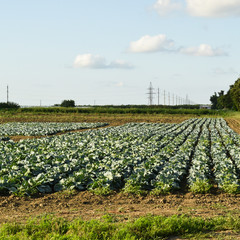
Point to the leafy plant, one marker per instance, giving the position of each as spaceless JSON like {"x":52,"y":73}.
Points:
{"x":200,"y":186}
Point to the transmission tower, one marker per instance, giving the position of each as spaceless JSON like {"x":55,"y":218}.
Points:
{"x":150,"y":94}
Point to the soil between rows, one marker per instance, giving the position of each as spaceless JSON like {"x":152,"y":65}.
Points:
{"x":86,"y":205}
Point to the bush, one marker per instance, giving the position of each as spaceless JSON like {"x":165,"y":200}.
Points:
{"x":68,"y":103}
{"x":9,"y":105}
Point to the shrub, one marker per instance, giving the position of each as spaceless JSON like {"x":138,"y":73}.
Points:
{"x":68,"y":103}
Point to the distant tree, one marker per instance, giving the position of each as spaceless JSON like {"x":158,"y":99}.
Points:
{"x":9,"y":105}
{"x":230,"y":100}
{"x":68,"y":103}
{"x":235,"y":94}
{"x":227,"y":100}
{"x":220,"y":100}
{"x":214,"y":101}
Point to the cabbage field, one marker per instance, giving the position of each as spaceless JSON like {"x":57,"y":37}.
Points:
{"x":196,"y":155}
{"x":42,"y":128}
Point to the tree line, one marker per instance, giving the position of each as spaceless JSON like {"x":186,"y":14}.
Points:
{"x":229,"y":100}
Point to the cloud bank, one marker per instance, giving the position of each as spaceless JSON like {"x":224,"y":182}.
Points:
{"x":160,"y":43}
{"x":151,"y":44}
{"x":213,"y":8}
{"x":95,"y":61}
{"x":200,"y":8}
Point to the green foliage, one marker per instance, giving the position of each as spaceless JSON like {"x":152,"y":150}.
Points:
{"x":235,"y":93}
{"x":145,"y":228}
{"x":68,"y":103}
{"x":132,"y":188}
{"x":232,"y":188}
{"x":101,"y":190}
{"x":122,"y":110}
{"x":230,"y":100}
{"x":214,"y":100}
{"x":10,"y":105}
{"x":201,"y":186}
{"x":141,"y":156}
{"x":162,"y":188}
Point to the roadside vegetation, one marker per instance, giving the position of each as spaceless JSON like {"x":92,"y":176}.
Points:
{"x":144,"y":228}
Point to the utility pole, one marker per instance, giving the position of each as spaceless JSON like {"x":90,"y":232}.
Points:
{"x":158,"y":96}
{"x":150,"y":93}
{"x":7,"y":94}
{"x":168,"y":98}
{"x":173,"y":99}
{"x":164,"y":97}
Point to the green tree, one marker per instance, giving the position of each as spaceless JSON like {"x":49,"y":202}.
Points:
{"x":9,"y":105}
{"x":220,"y":100}
{"x":214,"y":101}
{"x":68,"y":103}
{"x":235,"y":94}
{"x":227,"y":100}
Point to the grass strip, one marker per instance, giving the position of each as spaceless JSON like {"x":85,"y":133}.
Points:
{"x":120,"y":110}
{"x":148,"y":227}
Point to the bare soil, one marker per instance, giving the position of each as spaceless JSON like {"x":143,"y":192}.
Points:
{"x":87,"y":205}
{"x":234,"y":123}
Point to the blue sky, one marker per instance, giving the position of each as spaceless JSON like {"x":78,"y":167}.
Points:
{"x":108,"y":51}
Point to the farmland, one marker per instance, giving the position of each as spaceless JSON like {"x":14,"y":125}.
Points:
{"x":133,"y":157}
{"x":163,"y":165}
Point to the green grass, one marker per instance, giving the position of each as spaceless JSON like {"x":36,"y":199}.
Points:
{"x":148,"y":227}
{"x":120,"y":110}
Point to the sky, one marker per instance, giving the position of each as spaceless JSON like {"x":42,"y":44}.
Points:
{"x":108,"y":51}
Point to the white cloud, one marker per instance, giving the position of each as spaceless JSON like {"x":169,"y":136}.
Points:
{"x":213,"y":8}
{"x":164,"y":7}
{"x":203,"y":50}
{"x":95,"y":61}
{"x":151,"y":44}
{"x":89,"y":61}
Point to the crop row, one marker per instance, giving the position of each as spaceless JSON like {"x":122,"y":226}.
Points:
{"x":196,"y":155}
{"x":42,"y":128}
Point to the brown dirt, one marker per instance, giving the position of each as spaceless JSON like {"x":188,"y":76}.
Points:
{"x":77,"y":117}
{"x":234,"y":123}
{"x":87,"y":205}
